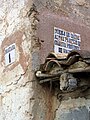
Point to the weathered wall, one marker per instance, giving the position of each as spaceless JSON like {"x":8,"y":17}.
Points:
{"x":16,"y":78}
{"x":74,"y":16}
{"x":29,"y":24}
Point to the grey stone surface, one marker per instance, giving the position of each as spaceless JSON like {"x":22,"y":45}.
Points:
{"x":81,"y":113}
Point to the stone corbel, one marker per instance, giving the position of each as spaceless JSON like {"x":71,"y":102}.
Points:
{"x":71,"y":72}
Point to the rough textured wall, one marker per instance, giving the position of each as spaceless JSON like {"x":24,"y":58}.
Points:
{"x":16,"y":78}
{"x":71,"y":16}
{"x":74,"y":16}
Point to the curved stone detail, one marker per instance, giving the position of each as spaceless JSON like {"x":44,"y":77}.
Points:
{"x":67,"y":69}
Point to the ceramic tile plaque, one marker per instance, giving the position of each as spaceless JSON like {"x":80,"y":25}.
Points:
{"x":65,"y":41}
{"x":10,"y":54}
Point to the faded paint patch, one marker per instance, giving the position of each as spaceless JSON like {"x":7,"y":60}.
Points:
{"x":20,"y":56}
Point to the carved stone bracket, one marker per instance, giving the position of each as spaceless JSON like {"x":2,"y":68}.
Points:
{"x":71,"y":71}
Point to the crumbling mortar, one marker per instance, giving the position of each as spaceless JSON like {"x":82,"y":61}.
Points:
{"x":31,"y":10}
{"x":33,"y":15}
